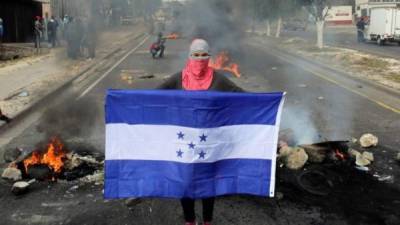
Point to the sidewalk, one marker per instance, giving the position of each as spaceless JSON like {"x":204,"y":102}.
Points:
{"x":29,"y":79}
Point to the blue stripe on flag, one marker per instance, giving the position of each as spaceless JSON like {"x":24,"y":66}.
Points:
{"x":137,"y":178}
{"x":197,"y":109}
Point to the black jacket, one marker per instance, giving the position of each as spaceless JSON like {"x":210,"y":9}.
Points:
{"x":219,"y":83}
{"x":361,"y":25}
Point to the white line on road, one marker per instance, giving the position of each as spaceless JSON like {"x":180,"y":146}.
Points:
{"x":111,"y":69}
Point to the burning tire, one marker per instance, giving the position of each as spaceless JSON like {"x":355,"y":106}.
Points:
{"x":315,"y":182}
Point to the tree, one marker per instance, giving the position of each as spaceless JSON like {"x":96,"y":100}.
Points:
{"x":267,"y":10}
{"x":284,"y":8}
{"x":319,"y":10}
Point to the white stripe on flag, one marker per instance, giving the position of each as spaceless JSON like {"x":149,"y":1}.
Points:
{"x":165,"y":143}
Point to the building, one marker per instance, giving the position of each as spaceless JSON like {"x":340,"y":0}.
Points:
{"x":18,"y":18}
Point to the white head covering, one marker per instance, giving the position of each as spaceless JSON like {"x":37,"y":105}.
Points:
{"x":199,"y":45}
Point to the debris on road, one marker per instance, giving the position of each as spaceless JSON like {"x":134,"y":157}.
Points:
{"x":285,"y":151}
{"x":384,"y":178}
{"x":12,"y":173}
{"x":368,"y":140}
{"x":23,"y":94}
{"x":274,"y":68}
{"x":132,"y":202}
{"x":362,"y":161}
{"x":354,"y":153}
{"x":97,"y":178}
{"x":296,"y":159}
{"x":387,"y":179}
{"x":73,"y":188}
{"x":320,"y":98}
{"x":302,"y":85}
{"x":368,"y":155}
{"x":316,"y":154}
{"x":315,"y":182}
{"x":21,"y":187}
{"x":149,"y":76}
{"x":362,"y":168}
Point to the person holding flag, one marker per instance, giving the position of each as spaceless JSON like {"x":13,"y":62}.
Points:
{"x":197,"y":75}
{"x":199,"y":137}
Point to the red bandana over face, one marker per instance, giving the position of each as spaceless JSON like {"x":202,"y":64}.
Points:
{"x":197,"y":75}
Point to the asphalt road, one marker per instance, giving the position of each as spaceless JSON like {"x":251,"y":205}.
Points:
{"x":316,"y":110}
{"x":346,"y":37}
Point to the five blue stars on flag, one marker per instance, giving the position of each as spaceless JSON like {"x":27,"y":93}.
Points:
{"x":191,"y":145}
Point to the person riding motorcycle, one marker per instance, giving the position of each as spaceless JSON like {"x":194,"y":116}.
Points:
{"x":157,"y":48}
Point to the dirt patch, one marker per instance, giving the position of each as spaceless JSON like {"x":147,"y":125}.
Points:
{"x":359,"y":64}
{"x":13,"y":54}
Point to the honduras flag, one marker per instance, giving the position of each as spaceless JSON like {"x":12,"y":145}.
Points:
{"x":194,"y":144}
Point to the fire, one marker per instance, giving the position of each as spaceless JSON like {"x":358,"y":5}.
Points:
{"x":339,"y":155}
{"x":53,"y":157}
{"x":172,"y":36}
{"x":223,"y":62}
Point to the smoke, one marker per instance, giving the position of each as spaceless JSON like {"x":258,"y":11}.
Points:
{"x":70,"y":120}
{"x":212,"y":20}
{"x":299,"y":120}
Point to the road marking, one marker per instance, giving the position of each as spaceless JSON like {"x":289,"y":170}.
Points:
{"x":357,"y":92}
{"x":112,"y":68}
{"x":384,"y":105}
{"x":388,"y":107}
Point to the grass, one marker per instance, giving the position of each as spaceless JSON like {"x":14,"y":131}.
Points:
{"x":376,"y":64}
{"x":315,"y":49}
{"x":394,"y":76}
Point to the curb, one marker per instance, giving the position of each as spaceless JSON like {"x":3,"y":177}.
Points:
{"x":58,"y":90}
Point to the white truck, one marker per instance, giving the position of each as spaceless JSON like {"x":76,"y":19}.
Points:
{"x":384,"y":25}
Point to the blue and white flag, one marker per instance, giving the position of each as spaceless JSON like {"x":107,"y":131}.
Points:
{"x":194,"y":144}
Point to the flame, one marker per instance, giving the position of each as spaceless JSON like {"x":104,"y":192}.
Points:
{"x":339,"y":155}
{"x":172,"y":36}
{"x":222,"y":62}
{"x":53,"y":157}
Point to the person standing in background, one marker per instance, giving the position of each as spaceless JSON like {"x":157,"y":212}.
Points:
{"x":45,"y":24}
{"x":360,"y":30}
{"x":74,"y":36}
{"x":1,"y":35}
{"x":38,"y":31}
{"x":52,"y":27}
{"x":90,"y":37}
{"x":1,"y":30}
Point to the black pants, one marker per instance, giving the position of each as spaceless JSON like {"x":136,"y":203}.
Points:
{"x":37,"y":40}
{"x":52,"y":39}
{"x":188,"y":209}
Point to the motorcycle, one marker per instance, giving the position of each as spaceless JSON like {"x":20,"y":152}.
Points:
{"x":157,"y":49}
